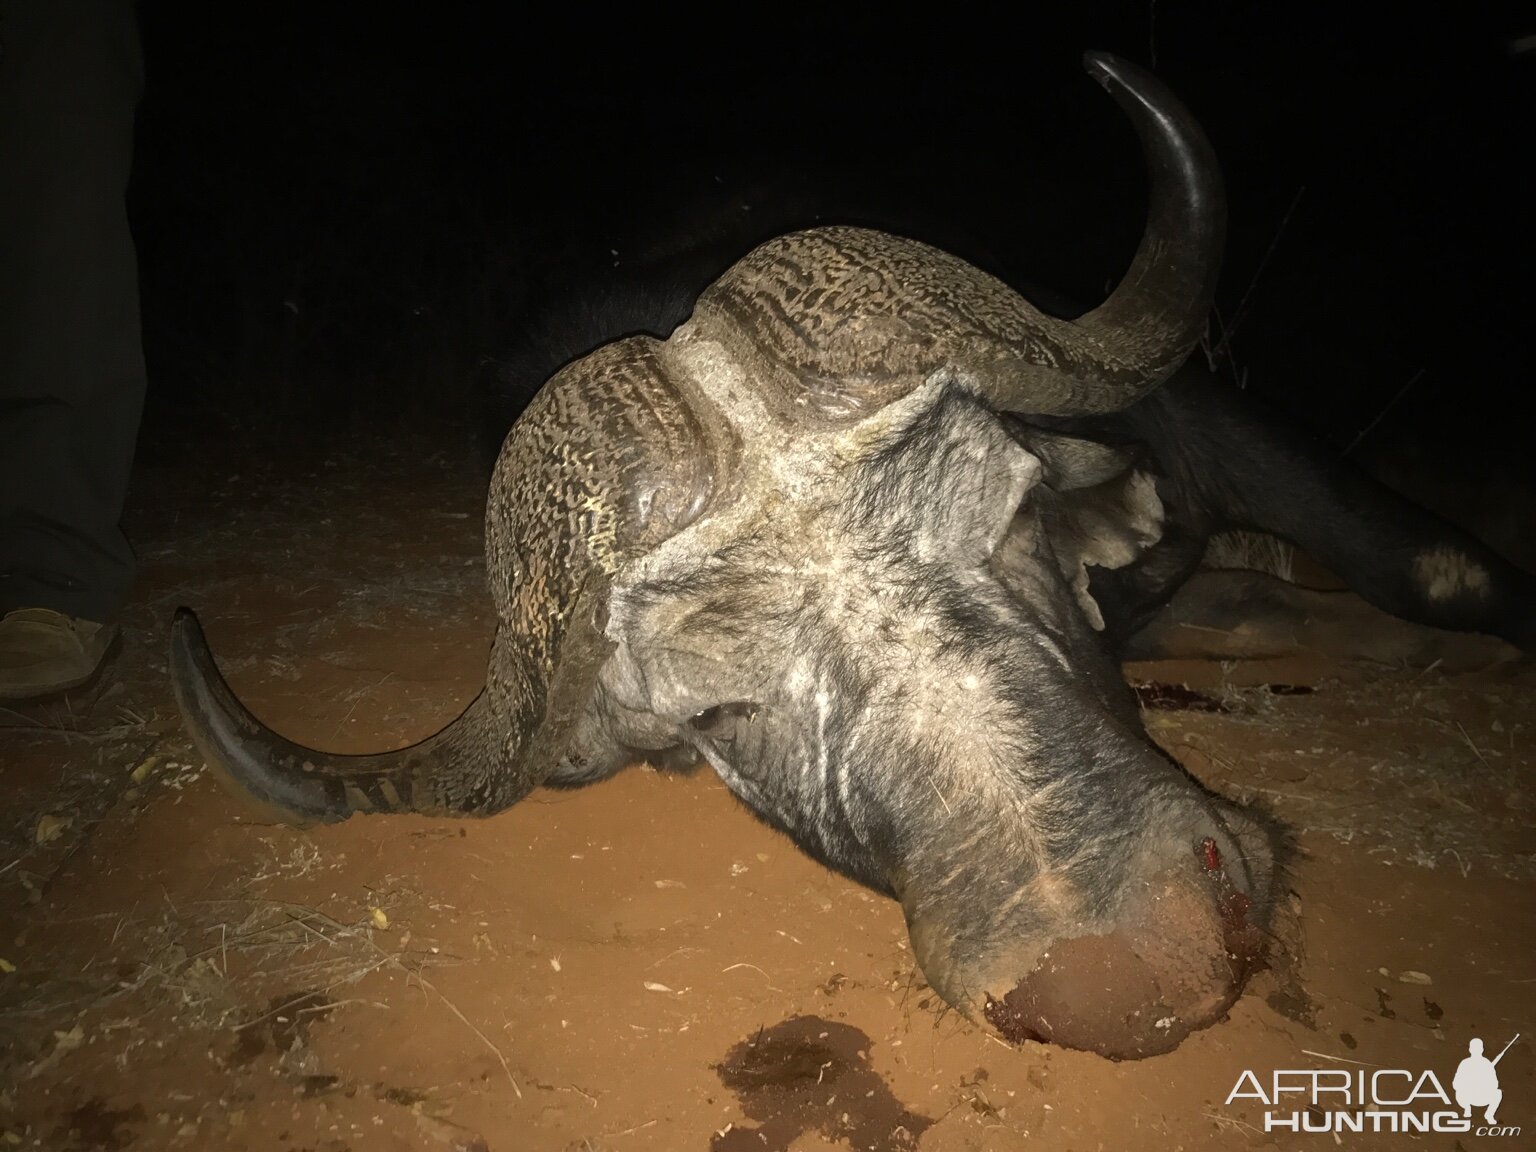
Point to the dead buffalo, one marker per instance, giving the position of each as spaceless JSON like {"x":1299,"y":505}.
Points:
{"x":864,"y":533}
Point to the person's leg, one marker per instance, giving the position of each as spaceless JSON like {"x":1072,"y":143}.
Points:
{"x":71,"y":361}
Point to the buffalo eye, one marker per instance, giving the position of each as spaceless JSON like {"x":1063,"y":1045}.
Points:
{"x":721,"y":719}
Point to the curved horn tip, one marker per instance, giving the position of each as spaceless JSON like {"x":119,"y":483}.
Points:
{"x":185,"y":627}
{"x":189,"y":647}
{"x":1117,"y":75}
{"x":190,"y":653}
{"x":1103,"y":66}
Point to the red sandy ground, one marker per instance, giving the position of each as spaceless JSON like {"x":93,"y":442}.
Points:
{"x":642,"y":965}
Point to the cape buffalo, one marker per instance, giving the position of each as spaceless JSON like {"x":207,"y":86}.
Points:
{"x":865,"y":533}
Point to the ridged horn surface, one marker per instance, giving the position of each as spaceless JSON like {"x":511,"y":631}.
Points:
{"x":848,"y":319}
{"x":607,"y":461}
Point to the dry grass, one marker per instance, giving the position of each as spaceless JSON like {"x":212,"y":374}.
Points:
{"x":1254,"y":551}
{"x":1392,"y":763}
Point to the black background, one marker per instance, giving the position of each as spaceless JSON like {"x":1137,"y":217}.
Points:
{"x":342,"y":209}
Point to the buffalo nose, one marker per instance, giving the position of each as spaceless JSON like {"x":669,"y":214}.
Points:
{"x":1174,"y":962}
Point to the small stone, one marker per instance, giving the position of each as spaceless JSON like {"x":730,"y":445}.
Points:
{"x":51,"y":827}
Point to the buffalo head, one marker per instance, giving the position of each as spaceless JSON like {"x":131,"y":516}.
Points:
{"x":798,"y":540}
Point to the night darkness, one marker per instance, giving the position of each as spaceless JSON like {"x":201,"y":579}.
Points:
{"x":355,"y":223}
{"x":343,"y":211}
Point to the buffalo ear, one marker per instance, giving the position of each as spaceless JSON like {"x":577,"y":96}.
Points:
{"x":1102,"y":510}
{"x":1071,"y":462}
{"x":1107,"y":525}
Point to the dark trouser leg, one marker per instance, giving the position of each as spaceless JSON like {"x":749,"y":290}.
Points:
{"x":71,"y":362}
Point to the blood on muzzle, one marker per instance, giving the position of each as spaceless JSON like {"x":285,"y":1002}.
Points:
{"x":1172,"y":965}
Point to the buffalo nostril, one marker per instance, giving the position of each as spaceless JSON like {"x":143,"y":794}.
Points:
{"x":1242,"y":941}
{"x":1210,"y":854}
{"x":1174,"y":963}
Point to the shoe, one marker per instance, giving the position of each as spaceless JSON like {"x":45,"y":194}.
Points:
{"x":43,"y":651}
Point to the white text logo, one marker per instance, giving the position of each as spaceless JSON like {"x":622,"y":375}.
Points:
{"x":1380,"y":1099}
